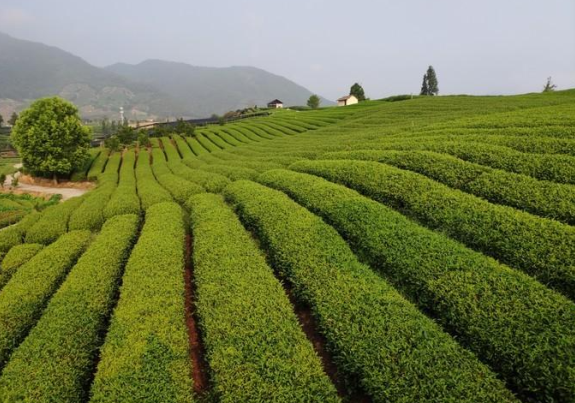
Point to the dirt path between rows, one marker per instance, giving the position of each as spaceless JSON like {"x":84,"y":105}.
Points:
{"x":38,"y":190}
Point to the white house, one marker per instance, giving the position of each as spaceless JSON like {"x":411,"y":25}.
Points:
{"x":276,"y":103}
{"x":347,"y":100}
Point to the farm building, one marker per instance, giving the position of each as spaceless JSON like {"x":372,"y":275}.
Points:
{"x":347,"y":100}
{"x":276,"y":103}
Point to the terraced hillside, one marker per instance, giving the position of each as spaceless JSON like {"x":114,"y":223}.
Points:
{"x":413,"y":251}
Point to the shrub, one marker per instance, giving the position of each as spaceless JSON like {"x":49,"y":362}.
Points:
{"x":15,"y":258}
{"x":54,"y":222}
{"x":211,"y":181}
{"x":543,"y":198}
{"x":540,"y":247}
{"x":98,"y":166}
{"x":125,"y":199}
{"x":149,"y":190}
{"x":365,"y":321}
{"x":179,"y":188}
{"x":145,"y":355}
{"x":14,"y":235}
{"x":56,"y":360}
{"x":25,"y":295}
{"x":520,"y":328}
{"x":90,"y":214}
{"x":255,"y":319}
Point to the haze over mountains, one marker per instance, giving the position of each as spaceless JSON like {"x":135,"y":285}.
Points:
{"x":151,"y":89}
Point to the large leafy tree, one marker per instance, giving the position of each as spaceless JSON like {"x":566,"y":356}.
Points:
{"x":50,"y":138}
{"x":357,"y":91}
{"x":313,"y":102}
{"x":1,"y":120}
{"x":432,"y":83}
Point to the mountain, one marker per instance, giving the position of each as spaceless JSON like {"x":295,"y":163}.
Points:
{"x":30,"y":70}
{"x":151,"y":89}
{"x":207,"y":90}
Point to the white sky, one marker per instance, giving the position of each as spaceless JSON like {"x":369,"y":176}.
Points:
{"x":476,"y":47}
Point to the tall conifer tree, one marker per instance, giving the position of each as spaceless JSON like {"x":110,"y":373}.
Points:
{"x":424,"y":87}
{"x":432,"y":84}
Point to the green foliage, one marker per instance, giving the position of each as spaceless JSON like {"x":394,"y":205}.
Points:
{"x":14,"y":235}
{"x":185,"y":129}
{"x":234,"y":173}
{"x":272,"y":356}
{"x":113,"y":143}
{"x":149,"y":190}
{"x":143,"y":138}
{"x":424,"y":86}
{"x":362,"y":316}
{"x":98,"y":165}
{"x":54,"y":222}
{"x":357,"y":91}
{"x":50,"y":137}
{"x":542,"y":248}
{"x":25,"y":295}
{"x":543,"y":198}
{"x":125,"y":199}
{"x":549,"y":86}
{"x":126,"y":135}
{"x":15,"y":258}
{"x":57,"y":358}
{"x":432,"y":83}
{"x":81,"y":173}
{"x":13,"y":119}
{"x":145,"y":355}
{"x":520,"y":328}
{"x":180,"y":188}
{"x":90,"y":214}
{"x":555,"y":168}
{"x":313,"y":102}
{"x":14,"y":207}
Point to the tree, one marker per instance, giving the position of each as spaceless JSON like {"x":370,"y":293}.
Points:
{"x":1,"y":120}
{"x":424,"y":86}
{"x":2,"y":179}
{"x":357,"y":91}
{"x":313,"y":102}
{"x":112,"y":143}
{"x":549,"y":86}
{"x":126,"y":135}
{"x":144,"y":138}
{"x":13,"y":119}
{"x":432,"y":83}
{"x":50,"y":138}
{"x":185,"y":128}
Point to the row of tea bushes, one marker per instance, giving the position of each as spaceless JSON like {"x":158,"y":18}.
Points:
{"x":522,"y":329}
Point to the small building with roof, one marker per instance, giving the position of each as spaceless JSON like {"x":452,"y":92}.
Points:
{"x":276,"y":104}
{"x":347,"y":100}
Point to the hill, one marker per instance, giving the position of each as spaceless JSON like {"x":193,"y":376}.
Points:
{"x":207,"y":90}
{"x":419,"y":250}
{"x":30,"y":70}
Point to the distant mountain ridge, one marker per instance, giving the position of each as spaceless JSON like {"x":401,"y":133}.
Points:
{"x":207,"y":90}
{"x":151,"y":89}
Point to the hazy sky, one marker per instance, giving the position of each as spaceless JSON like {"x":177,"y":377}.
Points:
{"x":476,"y":47}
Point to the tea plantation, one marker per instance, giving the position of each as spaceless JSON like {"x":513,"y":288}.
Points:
{"x":413,"y":251}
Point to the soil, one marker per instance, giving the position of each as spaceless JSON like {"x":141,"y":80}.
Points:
{"x":197,"y":353}
{"x":44,"y":187}
{"x":307,"y":322}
